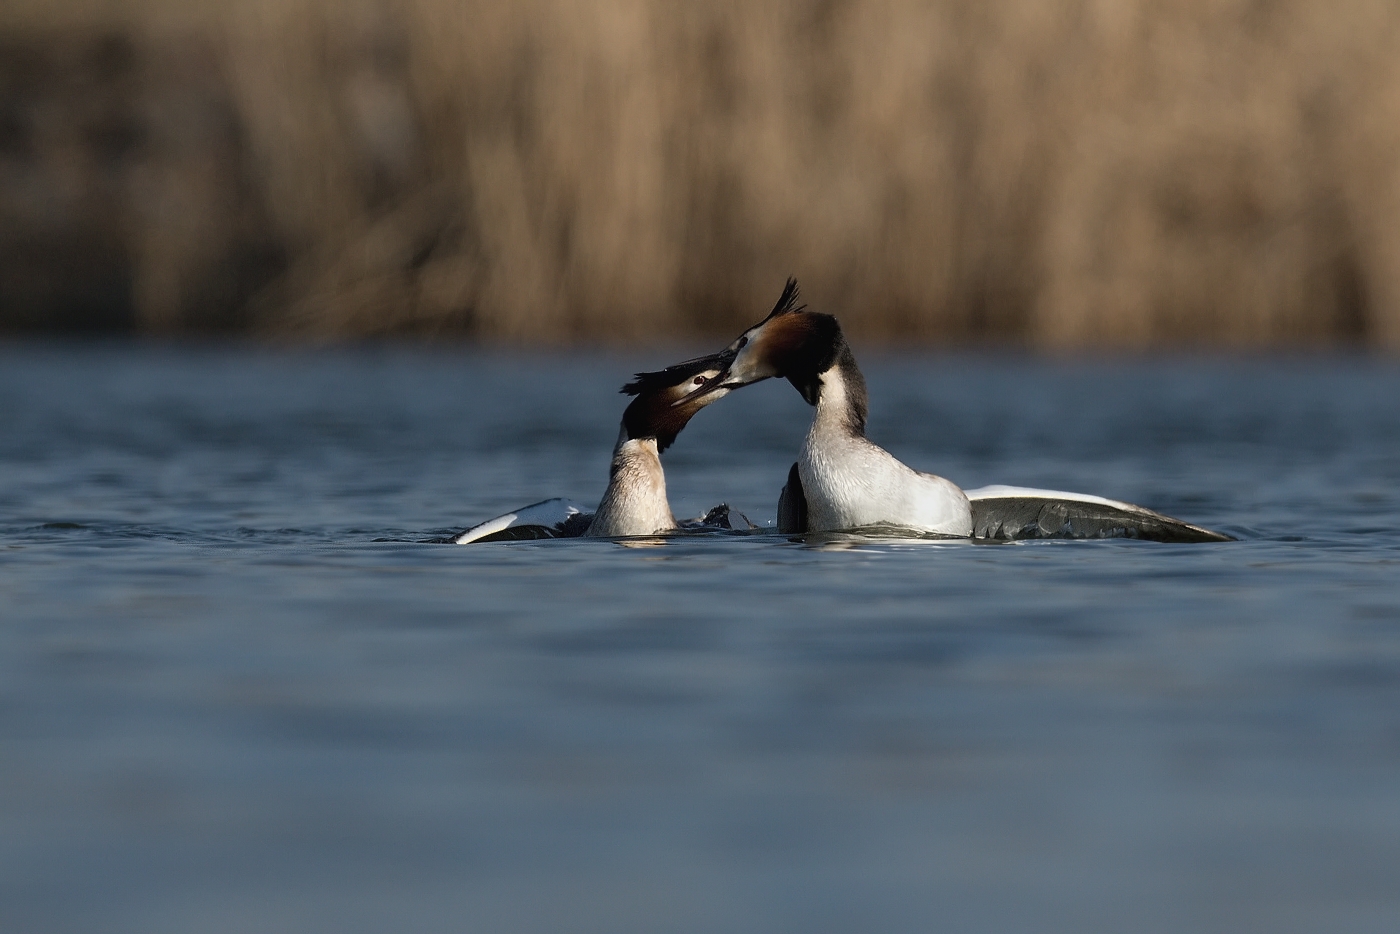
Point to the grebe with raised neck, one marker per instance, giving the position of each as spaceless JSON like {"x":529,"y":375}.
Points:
{"x":635,"y":501}
{"x":842,"y":480}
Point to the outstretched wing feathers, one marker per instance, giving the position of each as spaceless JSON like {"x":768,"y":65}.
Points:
{"x":550,"y":518}
{"x":1006,"y":513}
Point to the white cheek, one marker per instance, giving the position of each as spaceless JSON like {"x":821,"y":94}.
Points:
{"x":750,"y":365}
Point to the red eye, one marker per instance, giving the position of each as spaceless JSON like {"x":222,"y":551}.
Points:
{"x":700,"y":380}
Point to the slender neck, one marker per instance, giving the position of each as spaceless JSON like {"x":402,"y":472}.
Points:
{"x":635,"y":501}
{"x":841,"y":398}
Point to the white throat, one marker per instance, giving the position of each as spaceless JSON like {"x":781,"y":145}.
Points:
{"x":635,"y":501}
{"x":834,"y":415}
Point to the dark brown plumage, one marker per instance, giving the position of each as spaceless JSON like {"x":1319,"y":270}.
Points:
{"x":802,"y":345}
{"x":655,"y":412}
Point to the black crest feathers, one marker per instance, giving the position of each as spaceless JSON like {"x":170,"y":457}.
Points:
{"x":658,"y":380}
{"x":787,"y":302}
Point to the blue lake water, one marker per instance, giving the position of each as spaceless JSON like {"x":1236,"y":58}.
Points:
{"x":227,"y":704}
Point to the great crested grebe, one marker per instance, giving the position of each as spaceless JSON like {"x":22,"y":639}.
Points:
{"x":635,"y":501}
{"x":842,"y":480}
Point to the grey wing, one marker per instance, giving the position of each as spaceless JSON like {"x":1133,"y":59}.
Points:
{"x":1001,"y":513}
{"x":792,"y":505}
{"x":551,"y":518}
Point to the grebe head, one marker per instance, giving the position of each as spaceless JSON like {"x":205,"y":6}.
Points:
{"x":666,"y":399}
{"x":791,"y":342}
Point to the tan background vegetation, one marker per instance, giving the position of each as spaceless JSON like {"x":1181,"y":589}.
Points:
{"x":1074,"y":173}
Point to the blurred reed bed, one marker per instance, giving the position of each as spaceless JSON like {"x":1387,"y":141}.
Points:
{"x":1064,"y":174}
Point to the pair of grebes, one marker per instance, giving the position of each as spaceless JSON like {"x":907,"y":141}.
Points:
{"x":841,"y":481}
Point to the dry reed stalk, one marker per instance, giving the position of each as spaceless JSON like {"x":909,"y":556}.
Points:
{"x":1086,"y":172}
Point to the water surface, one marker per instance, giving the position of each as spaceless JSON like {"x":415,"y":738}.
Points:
{"x":236,"y":695}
